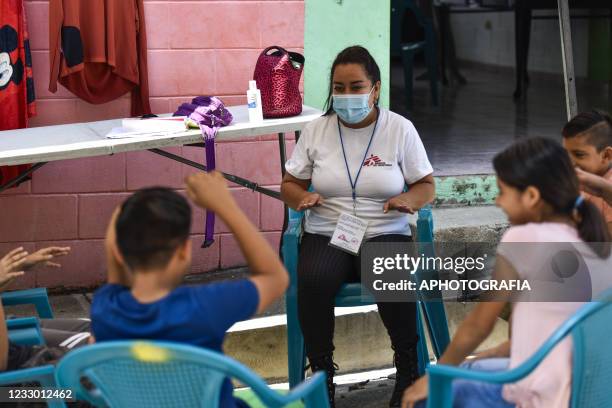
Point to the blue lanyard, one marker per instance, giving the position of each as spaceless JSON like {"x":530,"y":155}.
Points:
{"x":348,"y":171}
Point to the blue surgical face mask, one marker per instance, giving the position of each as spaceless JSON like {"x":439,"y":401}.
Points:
{"x":352,"y":108}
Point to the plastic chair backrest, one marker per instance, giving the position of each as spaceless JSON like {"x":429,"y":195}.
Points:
{"x":398,"y":11}
{"x":156,"y":374}
{"x":592,"y":365}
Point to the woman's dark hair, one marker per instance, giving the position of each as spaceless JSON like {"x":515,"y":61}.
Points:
{"x":355,"y":54}
{"x":152,"y":223}
{"x":544,"y":164}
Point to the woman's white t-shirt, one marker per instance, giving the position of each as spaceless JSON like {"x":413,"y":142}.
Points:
{"x":396,"y":157}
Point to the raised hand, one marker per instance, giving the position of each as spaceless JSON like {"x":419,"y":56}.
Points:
{"x":209,"y":190}
{"x":45,"y":256}
{"x":11,"y":265}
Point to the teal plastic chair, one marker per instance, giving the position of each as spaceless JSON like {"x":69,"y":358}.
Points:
{"x":164,"y":374}
{"x":592,"y":362}
{"x":408,"y":51}
{"x":44,"y":376}
{"x":37,"y":297}
{"x":351,"y":295}
{"x":25,"y":331}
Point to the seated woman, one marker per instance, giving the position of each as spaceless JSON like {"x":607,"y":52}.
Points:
{"x":357,"y":158}
{"x":539,"y":192}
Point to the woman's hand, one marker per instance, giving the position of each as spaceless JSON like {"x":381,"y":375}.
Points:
{"x":309,"y":200}
{"x":416,"y":392}
{"x":401,"y":203}
{"x":11,"y":264}
{"x":45,"y":256}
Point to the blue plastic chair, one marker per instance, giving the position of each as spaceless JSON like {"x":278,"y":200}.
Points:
{"x":25,"y":331}
{"x":592,"y":361}
{"x":44,"y":375}
{"x":37,"y":297}
{"x":163,"y":374}
{"x":351,"y":295}
{"x":409,"y":50}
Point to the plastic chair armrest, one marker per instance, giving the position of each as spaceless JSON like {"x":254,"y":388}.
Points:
{"x":25,"y":331}
{"x":36,"y":296}
{"x":44,"y":374}
{"x":22,"y":323}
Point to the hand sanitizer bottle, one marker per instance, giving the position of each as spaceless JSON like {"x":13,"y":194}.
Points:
{"x":254,"y":103}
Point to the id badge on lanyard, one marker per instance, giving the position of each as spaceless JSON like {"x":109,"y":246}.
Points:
{"x":351,"y":229}
{"x":349,"y":233}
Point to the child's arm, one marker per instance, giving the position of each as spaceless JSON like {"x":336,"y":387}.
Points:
{"x":209,"y":190}
{"x":501,"y":350}
{"x":595,"y":185}
{"x":115,"y":268}
{"x":4,"y":346}
{"x":474,"y":329}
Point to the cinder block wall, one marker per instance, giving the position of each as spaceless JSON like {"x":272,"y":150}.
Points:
{"x":196,"y":47}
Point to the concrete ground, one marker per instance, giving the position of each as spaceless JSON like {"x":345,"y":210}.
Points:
{"x":476,"y":120}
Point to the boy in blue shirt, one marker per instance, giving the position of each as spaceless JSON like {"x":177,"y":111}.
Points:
{"x":149,"y":251}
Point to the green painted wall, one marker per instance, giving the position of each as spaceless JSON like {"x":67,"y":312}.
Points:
{"x":332,"y":25}
{"x":466,"y":190}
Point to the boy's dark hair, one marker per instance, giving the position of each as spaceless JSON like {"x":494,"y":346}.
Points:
{"x":355,"y":54}
{"x":544,"y":164}
{"x":152,"y":223}
{"x":596,"y":124}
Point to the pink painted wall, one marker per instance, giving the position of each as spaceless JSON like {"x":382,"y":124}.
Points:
{"x":195,"y":48}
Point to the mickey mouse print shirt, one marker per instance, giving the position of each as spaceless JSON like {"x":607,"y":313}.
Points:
{"x":98,"y":50}
{"x":16,"y":83}
{"x":396,"y":157}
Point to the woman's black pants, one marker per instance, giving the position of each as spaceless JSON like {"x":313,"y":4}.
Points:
{"x":322,"y":270}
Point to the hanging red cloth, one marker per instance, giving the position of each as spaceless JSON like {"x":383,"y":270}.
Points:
{"x":98,"y":50}
{"x":16,"y":82}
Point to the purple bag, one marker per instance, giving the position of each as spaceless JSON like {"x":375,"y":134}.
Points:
{"x":209,"y":113}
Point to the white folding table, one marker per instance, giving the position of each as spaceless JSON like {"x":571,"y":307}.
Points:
{"x":40,"y":145}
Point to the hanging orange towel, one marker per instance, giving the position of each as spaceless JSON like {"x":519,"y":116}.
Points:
{"x":98,"y":50}
{"x":16,"y":83}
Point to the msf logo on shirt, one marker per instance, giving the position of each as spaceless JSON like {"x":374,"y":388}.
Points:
{"x":375,"y":161}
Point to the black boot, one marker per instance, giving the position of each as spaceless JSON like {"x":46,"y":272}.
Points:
{"x":326,"y":364}
{"x":406,"y":362}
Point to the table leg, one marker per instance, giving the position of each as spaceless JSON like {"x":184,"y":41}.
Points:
{"x":22,"y":177}
{"x":282,"y":149}
{"x":522,"y":31}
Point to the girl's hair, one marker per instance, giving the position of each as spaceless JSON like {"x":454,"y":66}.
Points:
{"x":544,"y":164}
{"x":355,"y":54}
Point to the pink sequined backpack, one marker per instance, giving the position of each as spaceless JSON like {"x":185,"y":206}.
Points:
{"x":277,"y":74}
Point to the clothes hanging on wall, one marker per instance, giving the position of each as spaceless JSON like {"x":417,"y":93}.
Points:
{"x":98,"y":50}
{"x":16,"y":83}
